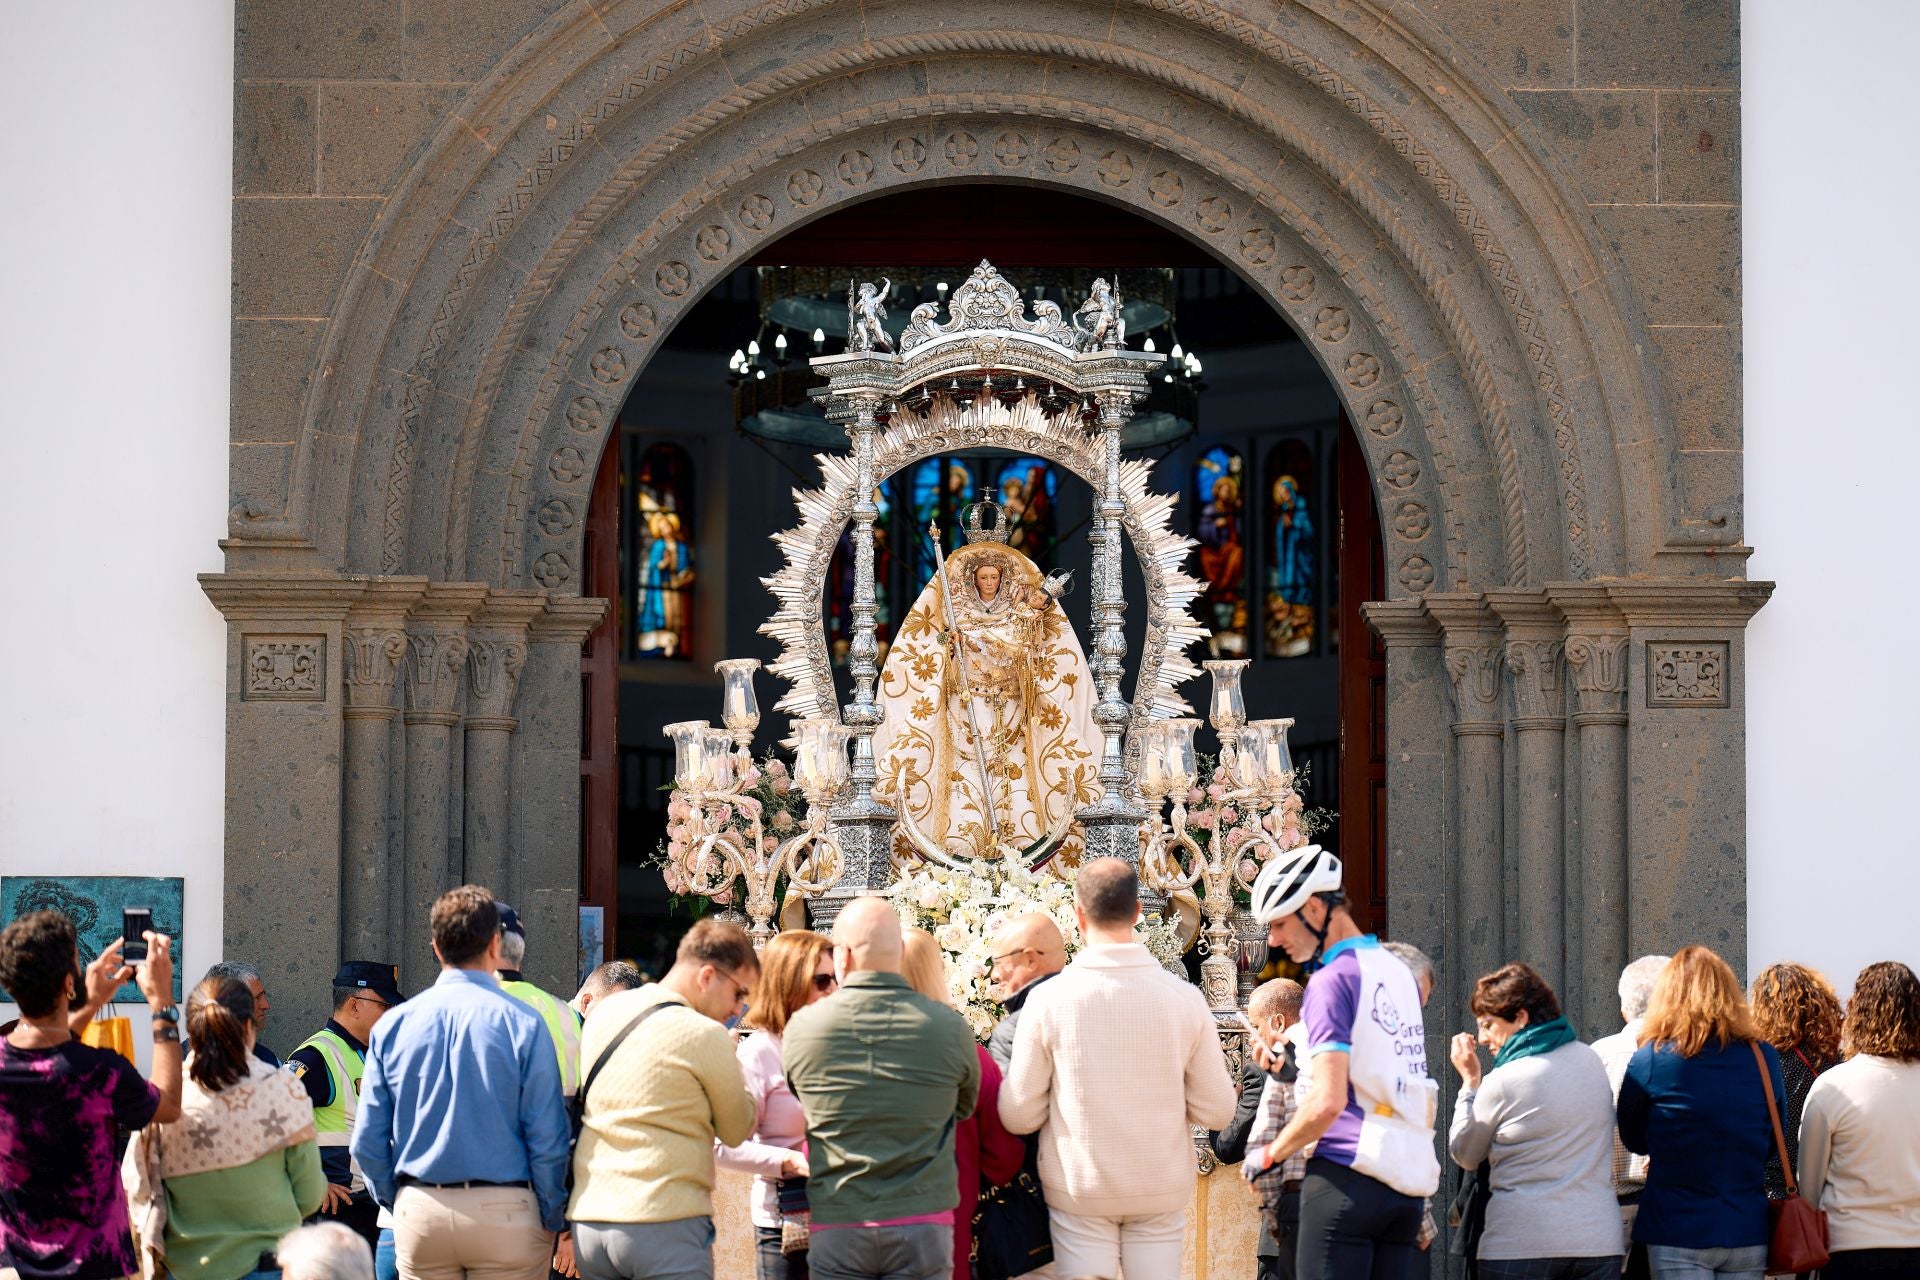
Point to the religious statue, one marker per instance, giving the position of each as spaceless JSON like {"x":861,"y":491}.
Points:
{"x":989,"y":742}
{"x":1103,"y":326}
{"x":1290,"y":575}
{"x":666,"y":575}
{"x":866,"y":316}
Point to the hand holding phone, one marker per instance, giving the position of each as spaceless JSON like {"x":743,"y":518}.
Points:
{"x":135,"y":924}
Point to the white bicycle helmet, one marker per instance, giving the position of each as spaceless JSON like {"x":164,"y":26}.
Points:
{"x":1284,"y":885}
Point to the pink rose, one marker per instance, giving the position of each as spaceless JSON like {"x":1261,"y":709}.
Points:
{"x":782,"y":820}
{"x":776,"y":768}
{"x":782,"y":785}
{"x":1291,"y":836}
{"x":750,"y":775}
{"x":678,"y":808}
{"x":676,"y":878}
{"x":723,"y":815}
{"x":1248,"y":868}
{"x":1195,"y":796}
{"x":1237,"y":837}
{"x":768,"y":844}
{"x":1204,"y":820}
{"x":1228,"y":815}
{"x":1215,"y":791}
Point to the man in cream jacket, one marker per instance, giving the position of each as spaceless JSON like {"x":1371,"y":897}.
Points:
{"x":1115,"y":1059}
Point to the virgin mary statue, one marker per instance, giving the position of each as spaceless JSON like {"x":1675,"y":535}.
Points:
{"x":989,"y":742}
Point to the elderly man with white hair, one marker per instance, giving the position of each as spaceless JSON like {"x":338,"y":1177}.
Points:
{"x":1616,"y":1051}
{"x":324,"y":1251}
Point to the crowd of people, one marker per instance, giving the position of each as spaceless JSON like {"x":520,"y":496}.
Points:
{"x":486,"y":1128}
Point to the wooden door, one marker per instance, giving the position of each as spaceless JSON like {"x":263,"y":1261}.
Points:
{"x":1363,"y":690}
{"x":600,"y":700}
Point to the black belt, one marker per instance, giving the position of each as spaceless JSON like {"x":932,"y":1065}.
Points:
{"x":1291,"y":1187}
{"x":468,"y":1185}
{"x":1630,"y":1197}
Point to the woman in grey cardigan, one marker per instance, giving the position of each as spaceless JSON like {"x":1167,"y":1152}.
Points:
{"x":1543,"y":1119}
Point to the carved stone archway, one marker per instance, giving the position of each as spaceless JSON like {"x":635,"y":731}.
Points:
{"x":426,"y":538}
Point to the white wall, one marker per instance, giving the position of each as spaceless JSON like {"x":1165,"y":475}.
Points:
{"x":1832,"y":280}
{"x":113,"y":428}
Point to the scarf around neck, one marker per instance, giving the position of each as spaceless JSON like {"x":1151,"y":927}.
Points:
{"x":1543,"y":1037}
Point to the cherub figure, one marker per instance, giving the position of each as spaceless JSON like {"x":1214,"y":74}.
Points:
{"x":866,"y":316}
{"x":1104,"y":326}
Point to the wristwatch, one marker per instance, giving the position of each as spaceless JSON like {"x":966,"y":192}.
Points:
{"x":169,"y":1013}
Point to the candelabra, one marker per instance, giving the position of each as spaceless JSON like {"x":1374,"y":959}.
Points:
{"x":1256,"y":770}
{"x":712,"y":773}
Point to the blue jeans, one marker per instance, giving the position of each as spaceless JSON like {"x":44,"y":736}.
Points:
{"x":1671,"y":1262}
{"x":386,"y":1259}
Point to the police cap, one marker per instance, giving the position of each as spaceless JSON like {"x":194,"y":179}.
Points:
{"x":382,"y":980}
{"x":509,"y":919}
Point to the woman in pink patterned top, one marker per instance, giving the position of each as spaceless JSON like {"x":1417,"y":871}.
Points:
{"x":62,"y":1211}
{"x":796,"y":969}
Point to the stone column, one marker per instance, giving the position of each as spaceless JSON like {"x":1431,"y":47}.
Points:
{"x":1686,"y":734}
{"x":496,"y":654}
{"x":1422,"y":899}
{"x":544,"y":817}
{"x":1536,"y":861}
{"x":285,"y":698}
{"x":436,"y":666}
{"x":1475,"y":655}
{"x":1596,"y":659}
{"x":375,"y":643}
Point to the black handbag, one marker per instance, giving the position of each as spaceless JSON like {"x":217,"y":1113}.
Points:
{"x":1011,"y":1231}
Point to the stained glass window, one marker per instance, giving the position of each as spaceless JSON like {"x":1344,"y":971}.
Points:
{"x":1026,"y":489}
{"x":664,"y":577}
{"x":1220,"y":527}
{"x":940,"y":487}
{"x":840,"y":584}
{"x":1291,"y":604}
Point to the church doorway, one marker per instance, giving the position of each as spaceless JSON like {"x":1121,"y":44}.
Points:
{"x":1245,"y":426}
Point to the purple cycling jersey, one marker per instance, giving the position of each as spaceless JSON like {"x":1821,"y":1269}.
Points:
{"x":1331,"y":1004}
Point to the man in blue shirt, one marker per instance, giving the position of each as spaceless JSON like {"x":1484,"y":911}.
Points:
{"x":461,"y":1130}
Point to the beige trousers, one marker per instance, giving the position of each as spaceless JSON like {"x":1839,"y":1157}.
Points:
{"x":470,"y":1233}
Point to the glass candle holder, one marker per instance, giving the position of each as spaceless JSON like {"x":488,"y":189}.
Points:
{"x":1227,"y":708}
{"x":1183,"y":770}
{"x":1153,"y":778}
{"x":689,"y":753}
{"x":1250,"y":761}
{"x":716,"y":747}
{"x":1276,"y":755}
{"x":835,"y":769}
{"x":739,"y":711}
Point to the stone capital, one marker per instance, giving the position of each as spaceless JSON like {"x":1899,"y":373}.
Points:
{"x":1537,"y":686}
{"x":437,"y":649}
{"x":1722,"y":604}
{"x":566,"y":620}
{"x":1401,"y":624}
{"x":1475,"y":654}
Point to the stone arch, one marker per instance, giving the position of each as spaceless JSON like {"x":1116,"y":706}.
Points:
{"x":1429,"y":255}
{"x":1343,"y":159}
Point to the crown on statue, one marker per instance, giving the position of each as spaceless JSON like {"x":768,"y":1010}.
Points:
{"x":985,"y":521}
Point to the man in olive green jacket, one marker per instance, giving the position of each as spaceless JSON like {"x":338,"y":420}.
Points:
{"x":883,"y":1075}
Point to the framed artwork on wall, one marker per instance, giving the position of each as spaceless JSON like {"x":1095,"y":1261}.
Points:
{"x":94,"y":904}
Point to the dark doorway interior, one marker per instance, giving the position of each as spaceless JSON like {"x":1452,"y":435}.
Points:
{"x":1291,"y":542}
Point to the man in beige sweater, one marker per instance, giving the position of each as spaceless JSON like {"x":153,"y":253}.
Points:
{"x":1114,"y":1059}
{"x":643,"y":1171}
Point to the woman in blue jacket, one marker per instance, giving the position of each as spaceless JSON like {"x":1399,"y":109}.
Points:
{"x":1692,"y":1102}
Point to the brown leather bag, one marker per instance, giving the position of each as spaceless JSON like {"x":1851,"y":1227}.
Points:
{"x":1797,"y":1232}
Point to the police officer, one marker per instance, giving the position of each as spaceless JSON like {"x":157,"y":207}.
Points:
{"x":329,"y":1064}
{"x":562,"y":1024}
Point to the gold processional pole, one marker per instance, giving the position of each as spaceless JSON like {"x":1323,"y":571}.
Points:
{"x":980,"y":746}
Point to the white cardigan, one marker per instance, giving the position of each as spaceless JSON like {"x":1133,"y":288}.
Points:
{"x":1860,"y":1152}
{"x":1114,"y":1059}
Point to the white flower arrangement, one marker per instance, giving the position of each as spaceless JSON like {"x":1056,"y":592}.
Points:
{"x":965,"y":909}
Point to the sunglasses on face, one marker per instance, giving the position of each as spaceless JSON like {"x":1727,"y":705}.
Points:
{"x":824,"y":982}
{"x":377,"y":1003}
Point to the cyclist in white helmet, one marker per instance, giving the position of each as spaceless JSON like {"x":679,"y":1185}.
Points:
{"x":1368,"y":1110}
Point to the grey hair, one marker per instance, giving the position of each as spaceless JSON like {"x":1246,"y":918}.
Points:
{"x":1636,"y":985}
{"x":513,"y":951}
{"x":238,"y":970}
{"x":324,"y":1251}
{"x":1414,"y":958}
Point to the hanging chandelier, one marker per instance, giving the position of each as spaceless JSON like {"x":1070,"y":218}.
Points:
{"x":803,"y":314}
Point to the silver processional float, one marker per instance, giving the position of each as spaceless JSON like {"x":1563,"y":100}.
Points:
{"x":965,"y":753}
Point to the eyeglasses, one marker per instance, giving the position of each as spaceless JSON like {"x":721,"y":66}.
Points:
{"x":824,"y":982}
{"x":740,"y":993}
{"x":1017,"y":951}
{"x":380,"y":1004}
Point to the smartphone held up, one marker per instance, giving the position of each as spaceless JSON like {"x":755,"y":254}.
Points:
{"x":136,"y":924}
